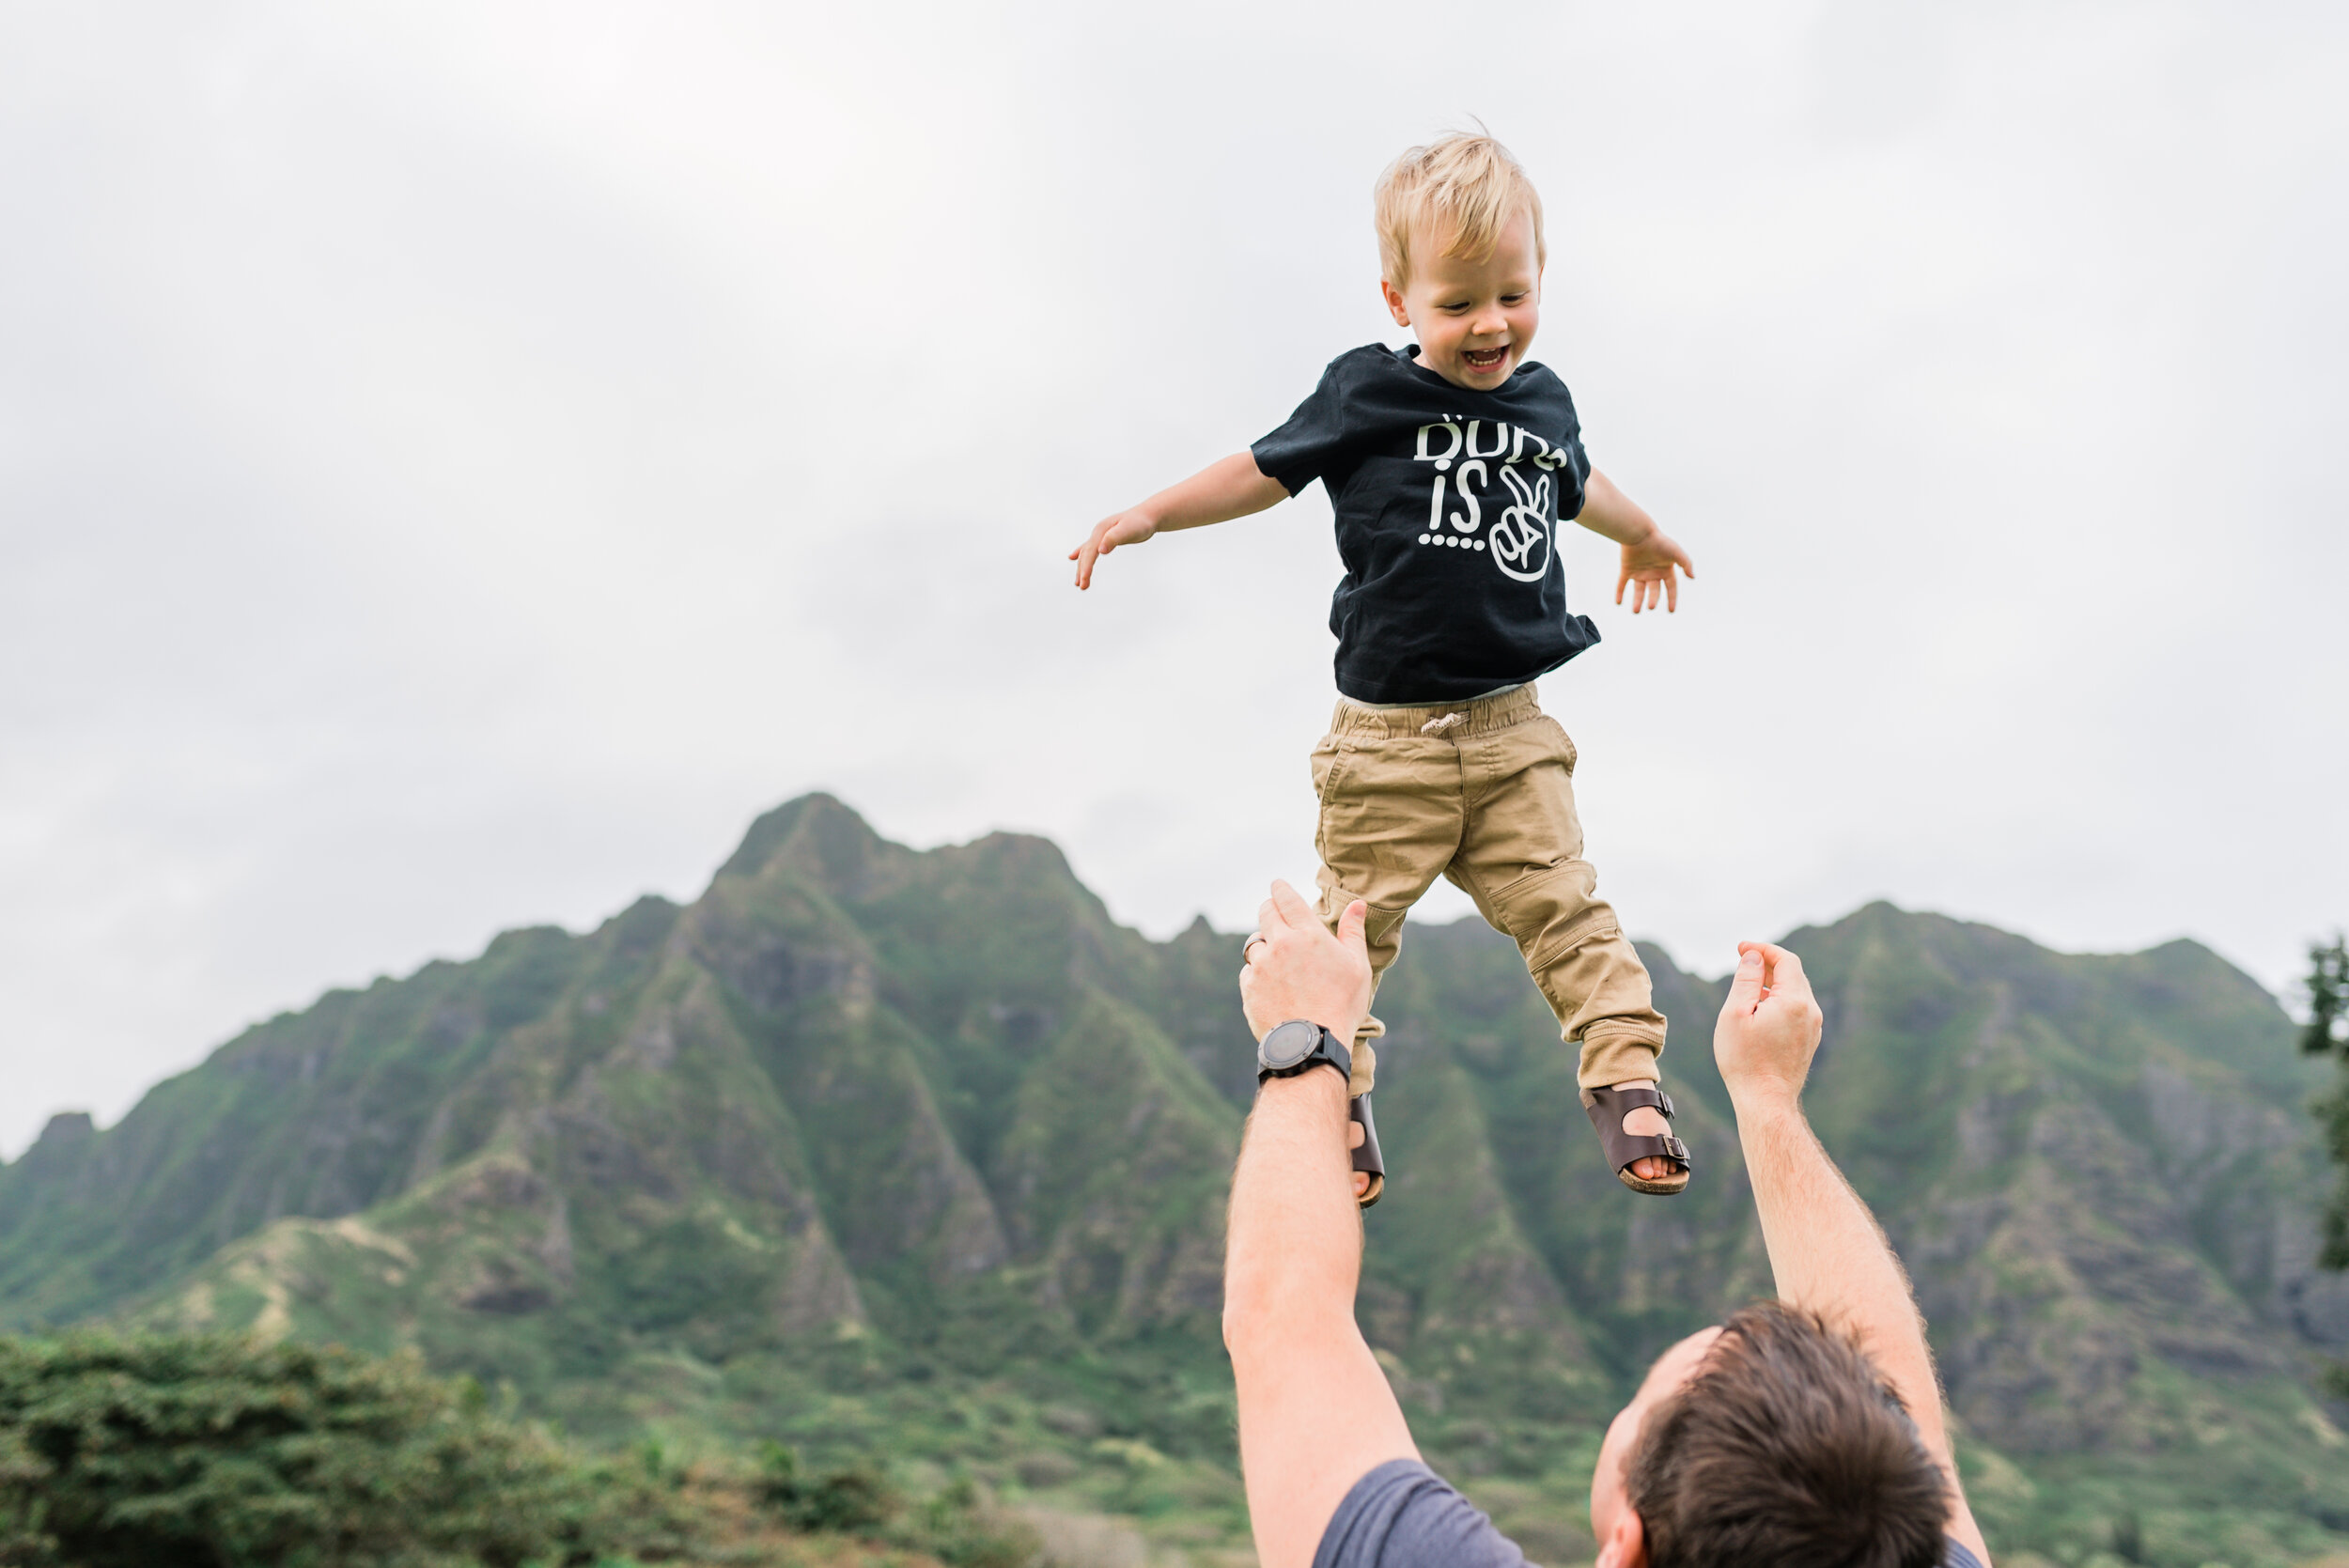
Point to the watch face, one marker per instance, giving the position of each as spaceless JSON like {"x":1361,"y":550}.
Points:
{"x":1288,"y":1045}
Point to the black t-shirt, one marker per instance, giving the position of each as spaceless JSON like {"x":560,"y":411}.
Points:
{"x":1404,"y":1515}
{"x":1448,"y":503}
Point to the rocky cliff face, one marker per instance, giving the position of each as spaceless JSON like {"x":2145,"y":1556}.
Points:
{"x":868,"y":1125}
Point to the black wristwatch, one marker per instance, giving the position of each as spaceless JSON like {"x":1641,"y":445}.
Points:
{"x":1298,"y":1046}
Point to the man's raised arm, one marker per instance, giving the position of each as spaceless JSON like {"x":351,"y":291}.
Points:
{"x":1827,"y":1252}
{"x":1316,"y":1412}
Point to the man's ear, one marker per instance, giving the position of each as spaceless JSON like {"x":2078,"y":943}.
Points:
{"x":1395,"y":306}
{"x":1625,"y":1546}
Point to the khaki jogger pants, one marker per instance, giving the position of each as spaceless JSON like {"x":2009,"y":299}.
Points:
{"x":1483,"y":794}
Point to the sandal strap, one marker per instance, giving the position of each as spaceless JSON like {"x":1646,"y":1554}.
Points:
{"x":1608,"y":1109}
{"x":1367,"y":1158}
{"x":1631,"y":1099}
{"x":1631,"y":1146}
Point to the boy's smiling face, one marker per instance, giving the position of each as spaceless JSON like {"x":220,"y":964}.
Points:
{"x":1474,"y":319}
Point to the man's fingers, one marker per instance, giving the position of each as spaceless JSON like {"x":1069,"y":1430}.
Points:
{"x":1785,"y":972}
{"x":1745,"y":986}
{"x":1293,"y":908}
{"x":1350,"y":928}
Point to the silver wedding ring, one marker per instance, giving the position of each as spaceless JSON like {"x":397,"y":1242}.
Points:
{"x":1250,"y":945}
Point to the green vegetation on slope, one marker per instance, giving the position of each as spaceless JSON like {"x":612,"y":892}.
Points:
{"x":919,"y":1153}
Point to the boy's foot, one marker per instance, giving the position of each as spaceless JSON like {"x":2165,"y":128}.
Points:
{"x":1630,"y":1119}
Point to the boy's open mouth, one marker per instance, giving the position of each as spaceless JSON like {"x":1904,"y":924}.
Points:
{"x":1486,"y":359}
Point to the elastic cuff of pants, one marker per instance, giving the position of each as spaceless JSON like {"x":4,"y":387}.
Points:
{"x":1617,"y":1057}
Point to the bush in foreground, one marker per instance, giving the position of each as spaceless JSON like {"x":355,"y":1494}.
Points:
{"x":127,"y":1450}
{"x":210,"y":1452}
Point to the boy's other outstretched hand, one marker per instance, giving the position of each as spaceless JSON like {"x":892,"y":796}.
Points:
{"x":1129,"y":527}
{"x":1648,"y":571}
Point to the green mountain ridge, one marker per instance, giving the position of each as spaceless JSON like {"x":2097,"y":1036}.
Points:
{"x":919,"y":1150}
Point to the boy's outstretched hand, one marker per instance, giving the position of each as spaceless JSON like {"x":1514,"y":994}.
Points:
{"x":1129,"y":527}
{"x":1652,"y":559}
{"x":1228,"y":487}
{"x":1648,"y":571}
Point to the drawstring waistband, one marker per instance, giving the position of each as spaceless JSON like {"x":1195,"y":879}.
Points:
{"x":1436,"y":720}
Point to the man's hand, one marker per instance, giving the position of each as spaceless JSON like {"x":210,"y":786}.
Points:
{"x":1648,"y":571}
{"x":1295,"y":969}
{"x":1129,"y":527}
{"x":1768,"y":1029}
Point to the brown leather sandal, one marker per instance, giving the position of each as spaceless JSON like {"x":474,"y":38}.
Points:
{"x":1608,"y":1108}
{"x":1367,"y":1158}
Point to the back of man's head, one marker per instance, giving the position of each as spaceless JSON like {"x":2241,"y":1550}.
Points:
{"x":1786,"y":1448}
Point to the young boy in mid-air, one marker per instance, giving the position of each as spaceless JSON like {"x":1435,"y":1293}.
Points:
{"x":1449,"y":465}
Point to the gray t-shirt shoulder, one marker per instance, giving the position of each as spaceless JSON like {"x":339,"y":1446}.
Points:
{"x":1404,"y":1515}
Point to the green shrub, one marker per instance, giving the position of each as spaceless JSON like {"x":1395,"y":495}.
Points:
{"x":854,"y":1502}
{"x":127,"y":1450}
{"x":953,"y":1527}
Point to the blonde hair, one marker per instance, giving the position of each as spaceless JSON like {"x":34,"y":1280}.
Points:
{"x":1468,"y":185}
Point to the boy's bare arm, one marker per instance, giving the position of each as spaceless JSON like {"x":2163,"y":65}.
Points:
{"x":1649,"y":553}
{"x":1219,"y":492}
{"x":1827,"y":1252}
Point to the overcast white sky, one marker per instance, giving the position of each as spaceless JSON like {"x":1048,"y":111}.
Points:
{"x":460,"y":462}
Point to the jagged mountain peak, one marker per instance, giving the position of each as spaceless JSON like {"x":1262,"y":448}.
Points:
{"x":65,"y":1130}
{"x":817,"y":832}
{"x":818,"y":839}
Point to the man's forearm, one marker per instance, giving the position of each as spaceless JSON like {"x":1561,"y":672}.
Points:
{"x":1231,"y":487}
{"x":1828,"y":1254}
{"x":1611,"y":514}
{"x":1295,"y":1235}
{"x":1316,"y":1412}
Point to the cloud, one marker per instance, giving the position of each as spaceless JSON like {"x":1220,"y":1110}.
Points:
{"x":457,"y":463}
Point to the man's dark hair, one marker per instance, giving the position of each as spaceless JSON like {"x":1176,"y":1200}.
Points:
{"x":1787,"y":1448}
